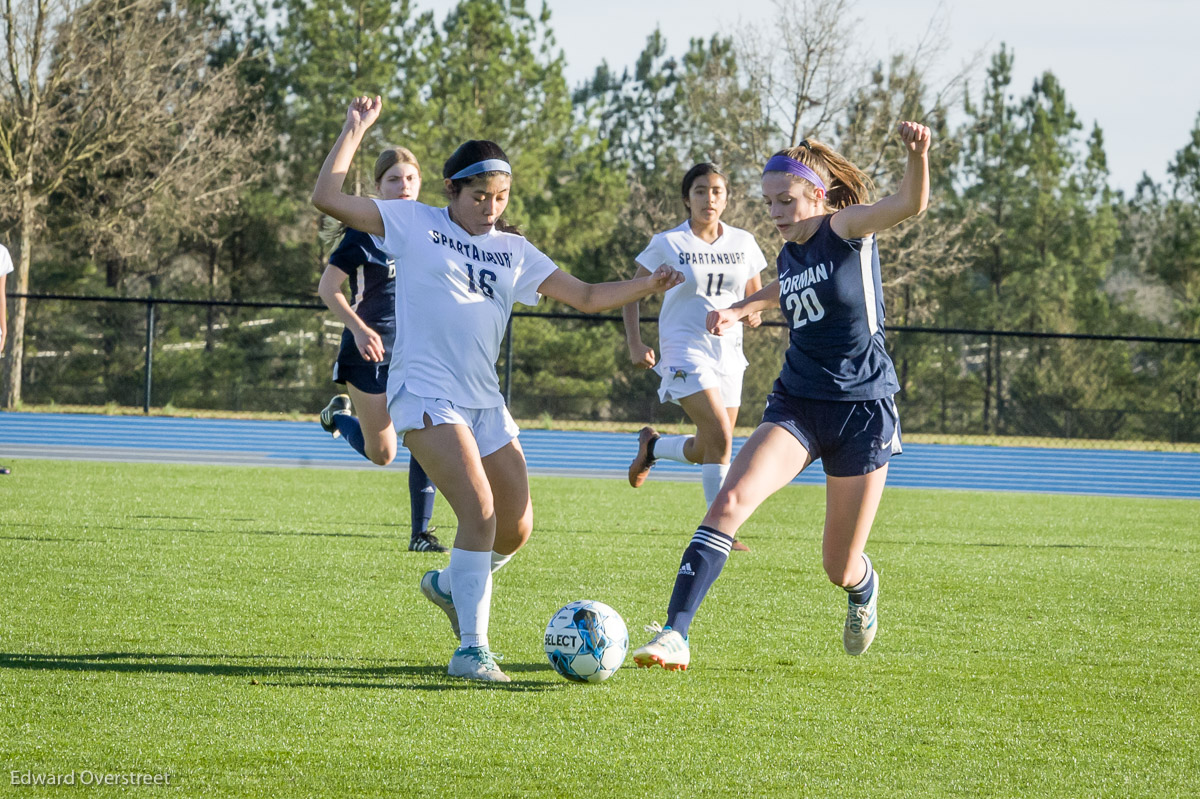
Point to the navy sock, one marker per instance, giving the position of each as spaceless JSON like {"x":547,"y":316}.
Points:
{"x":421,"y":494}
{"x":351,"y":430}
{"x":859,"y":594}
{"x":702,"y":562}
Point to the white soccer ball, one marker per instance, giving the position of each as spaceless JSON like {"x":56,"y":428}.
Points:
{"x":586,"y":641}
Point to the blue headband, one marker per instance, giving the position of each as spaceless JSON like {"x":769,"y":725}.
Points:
{"x":781,"y":163}
{"x":479,"y":167}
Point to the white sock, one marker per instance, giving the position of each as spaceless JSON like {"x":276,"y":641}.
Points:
{"x":499,"y":560}
{"x":671,"y":448}
{"x":443,"y":579}
{"x":712,"y":475}
{"x":471,"y":575}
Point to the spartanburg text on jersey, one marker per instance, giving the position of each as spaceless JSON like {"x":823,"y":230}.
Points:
{"x":831,"y":296}
{"x":715,"y":277}
{"x":454,"y":294}
{"x":372,"y":276}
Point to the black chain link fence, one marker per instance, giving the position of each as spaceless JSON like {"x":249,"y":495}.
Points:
{"x":277,"y":357}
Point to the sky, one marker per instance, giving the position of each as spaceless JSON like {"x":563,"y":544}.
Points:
{"x":1133,"y":68}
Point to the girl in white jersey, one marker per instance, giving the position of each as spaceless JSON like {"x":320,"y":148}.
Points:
{"x":458,"y":275}
{"x":700,"y":372}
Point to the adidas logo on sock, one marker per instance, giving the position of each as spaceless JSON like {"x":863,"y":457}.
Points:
{"x":687,"y":569}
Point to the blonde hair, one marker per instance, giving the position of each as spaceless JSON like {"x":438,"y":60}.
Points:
{"x":845,"y":184}
{"x":392,"y":156}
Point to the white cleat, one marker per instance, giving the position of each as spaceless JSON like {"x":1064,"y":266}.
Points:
{"x":444,"y":601}
{"x":476,"y":663}
{"x":667,"y":648}
{"x":861,"y":624}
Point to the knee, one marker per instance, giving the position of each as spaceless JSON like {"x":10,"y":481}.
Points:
{"x":381,"y":455}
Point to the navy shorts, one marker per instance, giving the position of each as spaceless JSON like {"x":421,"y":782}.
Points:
{"x":350,"y":367}
{"x":850,"y":438}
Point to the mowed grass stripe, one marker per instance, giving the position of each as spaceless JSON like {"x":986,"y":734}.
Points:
{"x":259,"y":632}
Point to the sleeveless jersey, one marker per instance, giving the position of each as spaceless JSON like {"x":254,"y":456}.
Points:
{"x":831,"y":295}
{"x":372,"y":283}
{"x":454,"y":294}
{"x":715,"y":277}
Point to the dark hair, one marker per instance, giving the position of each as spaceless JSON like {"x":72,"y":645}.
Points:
{"x":472,"y":152}
{"x":697,"y":171}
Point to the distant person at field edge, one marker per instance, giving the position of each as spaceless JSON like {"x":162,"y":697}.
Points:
{"x":6,"y":266}
{"x":367,"y":344}
{"x":460,"y":270}
{"x":700,"y":372}
{"x":833,"y":399}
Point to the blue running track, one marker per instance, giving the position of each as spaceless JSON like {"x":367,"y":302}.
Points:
{"x":266,"y":443}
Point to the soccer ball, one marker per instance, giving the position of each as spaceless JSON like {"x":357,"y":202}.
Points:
{"x":586,"y":641}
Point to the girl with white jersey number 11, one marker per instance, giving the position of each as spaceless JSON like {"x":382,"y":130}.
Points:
{"x":458,"y":273}
{"x":700,"y":372}
{"x":833,"y":399}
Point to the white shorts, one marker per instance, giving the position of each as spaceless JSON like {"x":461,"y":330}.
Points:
{"x":493,"y":428}
{"x":688,"y":379}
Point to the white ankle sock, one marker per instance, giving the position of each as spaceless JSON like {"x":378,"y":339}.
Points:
{"x":671,"y":448}
{"x":471,"y":576}
{"x":712,"y":475}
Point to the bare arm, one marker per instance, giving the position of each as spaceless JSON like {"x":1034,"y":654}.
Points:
{"x":369,"y":344}
{"x":597,"y":297}
{"x":753,"y":319}
{"x":720,"y":320}
{"x":639,"y":354}
{"x":910,"y":199}
{"x":357,"y":212}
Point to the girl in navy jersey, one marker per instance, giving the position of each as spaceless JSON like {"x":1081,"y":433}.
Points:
{"x":459,"y":271}
{"x":700,"y":372}
{"x":362,"y":362}
{"x":833,"y":399}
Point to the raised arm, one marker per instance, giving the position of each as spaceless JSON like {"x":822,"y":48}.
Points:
{"x":910,"y":199}
{"x":597,"y":297}
{"x":639,"y":354}
{"x":720,"y":320}
{"x":360,"y":213}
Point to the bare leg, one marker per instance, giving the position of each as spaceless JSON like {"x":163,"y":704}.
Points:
{"x":850,"y":506}
{"x":451,"y":459}
{"x":379,"y":437}
{"x":713,"y":441}
{"x":768,"y":462}
{"x":509,"y":479}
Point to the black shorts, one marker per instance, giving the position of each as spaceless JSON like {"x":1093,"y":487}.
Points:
{"x":350,"y":367}
{"x":850,"y":438}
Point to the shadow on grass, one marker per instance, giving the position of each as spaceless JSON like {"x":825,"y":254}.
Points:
{"x":263,"y":672}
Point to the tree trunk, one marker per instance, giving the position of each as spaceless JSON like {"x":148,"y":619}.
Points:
{"x":16,"y":349}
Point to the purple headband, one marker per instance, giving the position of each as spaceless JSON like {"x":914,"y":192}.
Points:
{"x":781,"y":163}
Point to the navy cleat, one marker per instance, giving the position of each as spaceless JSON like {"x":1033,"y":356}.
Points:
{"x":337,"y":406}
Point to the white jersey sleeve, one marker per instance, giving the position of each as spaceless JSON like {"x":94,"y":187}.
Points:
{"x":6,"y":263}
{"x":657,"y":253}
{"x":397,"y":218}
{"x":535,"y":267}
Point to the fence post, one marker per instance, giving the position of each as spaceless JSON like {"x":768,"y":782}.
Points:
{"x":508,"y":355}
{"x":149,"y":355}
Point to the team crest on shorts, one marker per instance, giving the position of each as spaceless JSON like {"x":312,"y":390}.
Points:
{"x":680,"y":374}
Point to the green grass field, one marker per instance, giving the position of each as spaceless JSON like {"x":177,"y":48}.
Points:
{"x":259,"y":632}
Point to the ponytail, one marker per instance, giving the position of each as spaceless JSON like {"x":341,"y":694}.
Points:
{"x":846,"y":184}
